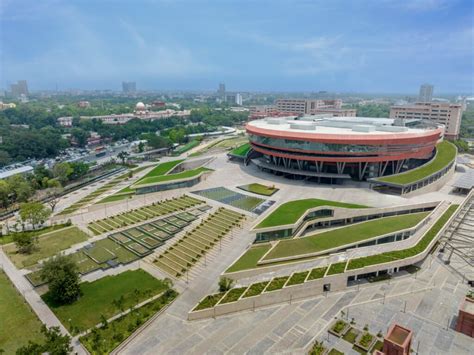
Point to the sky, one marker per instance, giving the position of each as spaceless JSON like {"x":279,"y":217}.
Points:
{"x":387,"y":46}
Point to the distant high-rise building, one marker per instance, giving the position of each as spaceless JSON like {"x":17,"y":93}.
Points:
{"x":129,"y":87}
{"x":426,"y":93}
{"x":221,"y":91}
{"x":20,"y":88}
{"x":238,"y":99}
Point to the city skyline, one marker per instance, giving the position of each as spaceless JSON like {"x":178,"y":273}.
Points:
{"x":370,"y":46}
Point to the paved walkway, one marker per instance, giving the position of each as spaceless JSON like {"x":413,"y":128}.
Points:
{"x":34,"y":300}
{"x":292,"y":328}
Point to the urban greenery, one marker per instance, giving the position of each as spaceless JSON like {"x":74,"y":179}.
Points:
{"x":250,"y":258}
{"x":259,"y":189}
{"x":290,"y":212}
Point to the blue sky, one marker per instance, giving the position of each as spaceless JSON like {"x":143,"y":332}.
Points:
{"x":345,"y":46}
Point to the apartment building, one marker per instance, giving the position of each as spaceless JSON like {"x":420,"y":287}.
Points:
{"x":306,"y":106}
{"x":444,"y":113}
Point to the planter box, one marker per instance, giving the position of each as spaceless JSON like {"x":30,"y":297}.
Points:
{"x":342,"y":332}
{"x":371,"y":343}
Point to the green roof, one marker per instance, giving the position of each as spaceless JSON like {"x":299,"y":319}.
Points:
{"x":445,"y":154}
{"x":162,"y":168}
{"x":163,"y":178}
{"x":241,"y":150}
{"x":290,"y":212}
{"x":346,"y":235}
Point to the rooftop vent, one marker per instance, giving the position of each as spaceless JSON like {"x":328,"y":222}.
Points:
{"x":305,"y":126}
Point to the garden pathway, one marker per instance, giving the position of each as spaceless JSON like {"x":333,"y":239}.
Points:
{"x":34,"y":300}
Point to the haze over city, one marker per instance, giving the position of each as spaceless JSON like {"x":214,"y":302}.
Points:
{"x":360,"y":46}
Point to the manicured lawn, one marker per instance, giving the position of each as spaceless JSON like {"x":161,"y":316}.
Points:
{"x":97,"y":297}
{"x":188,"y":146}
{"x":317,"y":273}
{"x":9,"y":238}
{"x":259,"y":189}
{"x":241,"y":150}
{"x":350,"y":336}
{"x":250,"y":258}
{"x":233,"y":295}
{"x":337,"y":268}
{"x":120,"y":329}
{"x":48,"y":245}
{"x":290,"y":212}
{"x":346,"y":235}
{"x":162,"y":168}
{"x":113,"y":198}
{"x":18,"y":323}
{"x":445,"y":153}
{"x":277,"y":283}
{"x":405,"y":253}
{"x":209,"y":301}
{"x":255,"y":289}
{"x":297,"y":278}
{"x":163,"y":178}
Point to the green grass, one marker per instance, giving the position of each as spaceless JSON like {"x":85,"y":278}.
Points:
{"x":337,"y":268}
{"x":335,"y":352}
{"x":162,"y":168}
{"x":317,"y":273}
{"x":188,"y":146}
{"x":115,"y":197}
{"x":48,"y":245}
{"x":365,"y":340}
{"x":290,"y":212}
{"x":164,"y":178}
{"x":97,"y":297}
{"x":277,"y":283}
{"x":339,"y":326}
{"x":297,"y":278}
{"x":18,"y":323}
{"x":125,"y":326}
{"x":233,"y":295}
{"x":36,"y":233}
{"x":350,"y":336}
{"x":345,"y":235}
{"x":259,"y":189}
{"x":405,"y":253}
{"x":250,"y":258}
{"x":209,"y":301}
{"x":445,"y":153}
{"x":255,"y":289}
{"x":241,"y":150}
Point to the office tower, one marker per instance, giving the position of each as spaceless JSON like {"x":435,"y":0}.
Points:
{"x":238,"y":99}
{"x":20,"y":88}
{"x":129,"y":87}
{"x":426,"y":93}
{"x":221,"y":91}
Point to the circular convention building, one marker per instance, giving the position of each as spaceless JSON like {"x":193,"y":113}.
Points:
{"x":333,"y":149}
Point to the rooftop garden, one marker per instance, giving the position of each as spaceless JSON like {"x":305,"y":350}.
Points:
{"x":164,"y":178}
{"x":405,"y":253}
{"x":242,"y":150}
{"x":342,"y":236}
{"x":290,"y":212}
{"x":259,"y":189}
{"x":445,"y":154}
{"x":250,"y":259}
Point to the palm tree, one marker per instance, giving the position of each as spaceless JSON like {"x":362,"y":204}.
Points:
{"x":122,"y":156}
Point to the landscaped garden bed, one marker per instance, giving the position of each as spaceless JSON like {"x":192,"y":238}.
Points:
{"x":250,"y":259}
{"x":104,"y":339}
{"x":365,"y":341}
{"x":339,"y":328}
{"x":255,"y":289}
{"x":209,"y":301}
{"x":276,"y":284}
{"x":259,"y":189}
{"x":337,"y":268}
{"x":317,"y":273}
{"x":297,"y":278}
{"x":233,"y":295}
{"x":351,"y":335}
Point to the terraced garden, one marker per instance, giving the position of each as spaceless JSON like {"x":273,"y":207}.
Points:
{"x":180,"y":257}
{"x":235,"y":199}
{"x":242,"y":150}
{"x":171,"y":177}
{"x":100,"y":191}
{"x":143,"y":214}
{"x":220,"y":145}
{"x":340,"y":237}
{"x":259,"y":189}
{"x":445,"y":154}
{"x":290,"y":212}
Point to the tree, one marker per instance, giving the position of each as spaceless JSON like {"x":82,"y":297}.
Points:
{"x":55,"y":344}
{"x":24,"y":242}
{"x":54,"y":195}
{"x":80,"y":136}
{"x":21,"y":188}
{"x":62,"y":275}
{"x":5,"y":192}
{"x":79,"y":169}
{"x":34,"y":212}
{"x":225,"y":284}
{"x":141,"y":147}
{"x":61,"y":171}
{"x":122,"y":156}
